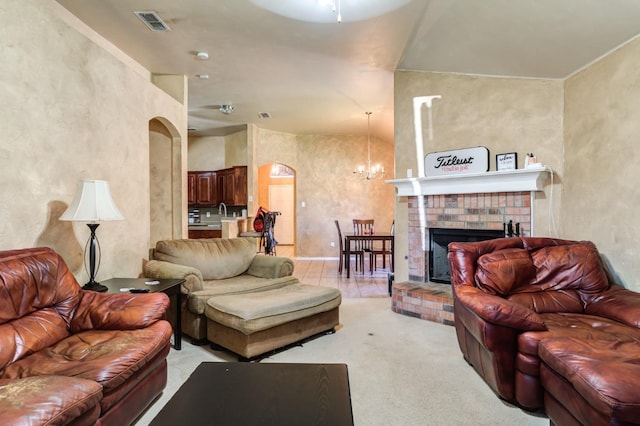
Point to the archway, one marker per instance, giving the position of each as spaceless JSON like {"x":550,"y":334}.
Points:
{"x":165,"y":182}
{"x":276,"y":191}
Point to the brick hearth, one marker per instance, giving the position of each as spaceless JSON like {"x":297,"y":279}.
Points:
{"x":427,"y":301}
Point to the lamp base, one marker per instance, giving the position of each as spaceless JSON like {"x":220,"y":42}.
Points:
{"x":94,"y":286}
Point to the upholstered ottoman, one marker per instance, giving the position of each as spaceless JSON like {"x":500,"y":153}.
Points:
{"x":594,"y":382}
{"x":251,"y":324}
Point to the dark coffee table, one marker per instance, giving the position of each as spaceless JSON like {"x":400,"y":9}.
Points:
{"x":169,"y":286}
{"x":232,"y":394}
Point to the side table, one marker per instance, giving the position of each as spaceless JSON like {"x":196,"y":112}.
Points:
{"x":170,"y":286}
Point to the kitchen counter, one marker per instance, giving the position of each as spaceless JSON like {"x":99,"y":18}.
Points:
{"x":197,"y":226}
{"x":230,"y":226}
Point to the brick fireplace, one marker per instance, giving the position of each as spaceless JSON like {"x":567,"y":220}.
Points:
{"x":486,"y":201}
{"x":461,"y":211}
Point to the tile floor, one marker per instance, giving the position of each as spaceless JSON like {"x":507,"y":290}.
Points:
{"x":325,"y":273}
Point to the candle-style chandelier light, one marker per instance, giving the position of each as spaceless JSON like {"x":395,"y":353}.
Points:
{"x":368,"y":171}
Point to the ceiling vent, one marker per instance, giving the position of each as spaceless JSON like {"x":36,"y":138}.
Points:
{"x":152,"y":20}
{"x":264,"y":115}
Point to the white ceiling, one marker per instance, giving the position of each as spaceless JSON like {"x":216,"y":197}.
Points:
{"x":317,"y":76}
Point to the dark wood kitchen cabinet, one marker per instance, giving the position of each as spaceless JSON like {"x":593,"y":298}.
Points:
{"x":225,"y":186}
{"x":240,"y":186}
{"x":232,"y":186}
{"x":203,"y":188}
{"x":191,"y":186}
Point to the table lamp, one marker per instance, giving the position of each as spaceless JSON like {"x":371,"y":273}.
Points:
{"x":92,"y":203}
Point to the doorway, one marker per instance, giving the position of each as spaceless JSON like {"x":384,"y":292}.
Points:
{"x":281,"y":200}
{"x":276,"y":192}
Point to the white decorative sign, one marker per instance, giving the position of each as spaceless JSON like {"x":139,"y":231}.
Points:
{"x":458,"y":161}
{"x":507,"y":161}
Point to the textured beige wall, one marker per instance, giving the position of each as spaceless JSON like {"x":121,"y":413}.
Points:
{"x":235,"y":151}
{"x":502,"y":114}
{"x":206,"y":153}
{"x":73,"y":108}
{"x":601,"y":192}
{"x":217,"y":152}
{"x":160,"y":196}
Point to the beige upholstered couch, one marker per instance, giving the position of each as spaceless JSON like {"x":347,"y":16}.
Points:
{"x":216,"y":266}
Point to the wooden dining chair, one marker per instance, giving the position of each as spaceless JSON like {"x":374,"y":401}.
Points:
{"x":363,"y":227}
{"x":343,"y":252}
{"x":383,"y":251}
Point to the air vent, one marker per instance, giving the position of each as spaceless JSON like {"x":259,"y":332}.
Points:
{"x":264,"y":115}
{"x":152,"y":20}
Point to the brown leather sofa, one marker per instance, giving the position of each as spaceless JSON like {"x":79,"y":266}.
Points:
{"x":69,"y":356}
{"x":513,"y":294}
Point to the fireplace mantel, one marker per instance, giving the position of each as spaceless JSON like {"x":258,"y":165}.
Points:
{"x":529,"y":179}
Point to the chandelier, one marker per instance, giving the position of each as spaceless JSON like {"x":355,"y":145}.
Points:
{"x":369,"y":172}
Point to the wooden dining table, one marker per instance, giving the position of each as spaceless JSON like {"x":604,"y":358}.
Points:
{"x":377,"y":236}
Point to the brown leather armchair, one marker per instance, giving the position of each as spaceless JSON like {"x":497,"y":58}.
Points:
{"x":74,"y":356}
{"x":511,"y":294}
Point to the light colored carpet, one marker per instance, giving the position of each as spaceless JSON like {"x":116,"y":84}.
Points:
{"x":402,"y":371}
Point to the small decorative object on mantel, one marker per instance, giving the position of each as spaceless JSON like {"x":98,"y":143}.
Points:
{"x":530,"y":160}
{"x":507,"y":161}
{"x":458,"y":161}
{"x":508,"y":229}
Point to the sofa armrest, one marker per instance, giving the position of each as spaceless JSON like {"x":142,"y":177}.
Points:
{"x":617,"y":303}
{"x":499,"y":311}
{"x":271,"y":267}
{"x":160,"y":269}
{"x":103,"y":311}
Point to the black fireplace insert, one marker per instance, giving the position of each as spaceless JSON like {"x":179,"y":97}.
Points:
{"x":439,"y":239}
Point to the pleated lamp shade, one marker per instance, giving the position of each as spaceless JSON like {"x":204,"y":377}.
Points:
{"x":92,"y":203}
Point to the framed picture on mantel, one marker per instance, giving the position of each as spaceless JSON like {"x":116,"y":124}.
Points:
{"x":507,"y":161}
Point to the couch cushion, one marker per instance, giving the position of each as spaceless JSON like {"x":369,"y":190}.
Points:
{"x":216,"y":258}
{"x":251,"y":312}
{"x":545,"y":279}
{"x":502,"y":271}
{"x":549,"y":301}
{"x":197,"y":300}
{"x":39,"y":296}
{"x":576,"y":325}
{"x":605,"y":373}
{"x":51,"y":400}
{"x":569,"y":267}
{"x":108,"y":357}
